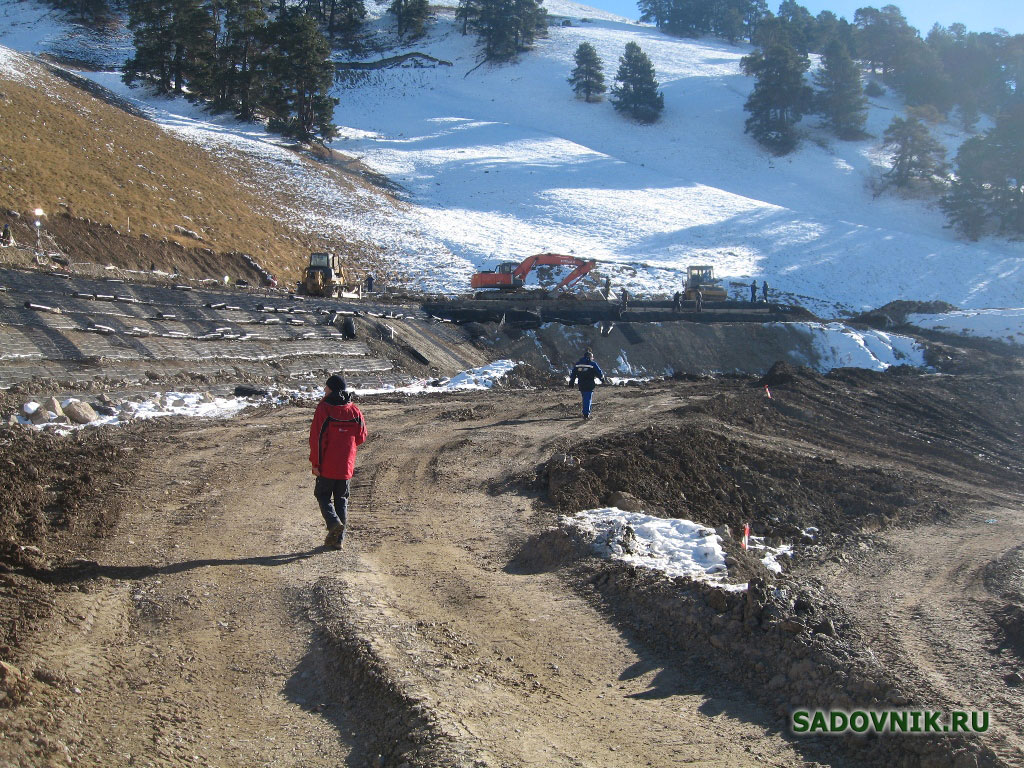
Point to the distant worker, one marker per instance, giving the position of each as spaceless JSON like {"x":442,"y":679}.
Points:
{"x":338,"y":429}
{"x":699,"y":300}
{"x":7,"y":239}
{"x":753,"y":291}
{"x":369,"y":283}
{"x":764,"y":291}
{"x":677,"y":302}
{"x":623,"y":304}
{"x":586,"y":372}
{"x":348,"y":328}
{"x":607,"y":287}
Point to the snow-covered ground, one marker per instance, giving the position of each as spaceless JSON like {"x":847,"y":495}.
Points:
{"x":673,"y":546}
{"x":499,"y":162}
{"x":1001,"y":324}
{"x":839,"y":346}
{"x":203,"y":406}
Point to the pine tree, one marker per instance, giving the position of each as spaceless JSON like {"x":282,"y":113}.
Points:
{"x":1007,"y":139}
{"x":841,"y":100}
{"x":300,"y":75}
{"x":919,"y":75}
{"x":730,"y":25}
{"x":530,"y":21}
{"x":780,"y":96}
{"x":968,"y":203}
{"x":799,"y":23}
{"x":587,"y":78}
{"x":916,"y":155}
{"x":986,"y":191}
{"x":239,"y":77}
{"x":150,"y":23}
{"x":411,"y":16}
{"x":194,"y":36}
{"x":655,"y":10}
{"x":771,"y":31}
{"x":635,"y":92}
{"x":468,"y":14}
{"x":495,"y":27}
{"x":345,"y":19}
{"x":174,"y":42}
{"x":506,"y":27}
{"x":881,"y":35}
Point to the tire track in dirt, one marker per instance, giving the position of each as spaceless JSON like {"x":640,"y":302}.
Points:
{"x":224,"y":636}
{"x":204,"y":654}
{"x":914,"y":593}
{"x":517,"y":669}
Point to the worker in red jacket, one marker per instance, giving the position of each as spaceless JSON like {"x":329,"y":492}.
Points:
{"x":338,"y":428}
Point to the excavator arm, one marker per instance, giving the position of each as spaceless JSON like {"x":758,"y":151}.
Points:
{"x":517,"y":276}
{"x":545,"y":260}
{"x":583,"y":266}
{"x":577,"y":273}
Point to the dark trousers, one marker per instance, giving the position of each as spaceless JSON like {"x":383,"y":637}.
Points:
{"x":335,"y":512}
{"x":587,"y":395}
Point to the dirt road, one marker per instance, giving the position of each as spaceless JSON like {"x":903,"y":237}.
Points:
{"x":210,"y":628}
{"x":195,"y":644}
{"x":921,"y":598}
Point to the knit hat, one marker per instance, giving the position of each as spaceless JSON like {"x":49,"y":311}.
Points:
{"x":336,"y":384}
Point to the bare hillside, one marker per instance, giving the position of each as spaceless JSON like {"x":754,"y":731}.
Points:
{"x":117,"y":189}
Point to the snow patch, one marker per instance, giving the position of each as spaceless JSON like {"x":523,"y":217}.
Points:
{"x":671,"y":546}
{"x":839,"y":346}
{"x":1001,"y":324}
{"x":202,"y":406}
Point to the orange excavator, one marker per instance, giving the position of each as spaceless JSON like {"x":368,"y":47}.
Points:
{"x":509,"y":276}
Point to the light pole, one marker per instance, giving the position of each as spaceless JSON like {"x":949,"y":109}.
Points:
{"x":39,"y":213}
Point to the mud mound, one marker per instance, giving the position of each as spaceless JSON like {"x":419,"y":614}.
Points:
{"x":783,"y":373}
{"x":57,"y":494}
{"x":895,"y":313}
{"x":691,"y":472}
{"x":54,"y":484}
{"x":965,"y":427}
{"x":470,"y":413}
{"x":1005,"y":576}
{"x":1010,"y":619}
{"x":855,"y":450}
{"x":526,"y":376}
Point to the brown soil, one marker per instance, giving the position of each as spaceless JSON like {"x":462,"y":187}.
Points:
{"x":140,"y":196}
{"x":210,"y":628}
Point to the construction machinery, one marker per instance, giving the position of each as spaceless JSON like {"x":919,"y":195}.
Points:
{"x":326,"y":276}
{"x":510,"y":276}
{"x":702,"y":278}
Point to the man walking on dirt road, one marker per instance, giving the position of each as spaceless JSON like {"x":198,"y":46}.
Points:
{"x":586,"y":371}
{"x":338,"y":428}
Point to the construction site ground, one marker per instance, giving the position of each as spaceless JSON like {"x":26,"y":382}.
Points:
{"x":166,"y":600}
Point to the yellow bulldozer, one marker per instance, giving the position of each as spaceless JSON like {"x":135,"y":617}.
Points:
{"x":702,"y":277}
{"x":327,"y":276}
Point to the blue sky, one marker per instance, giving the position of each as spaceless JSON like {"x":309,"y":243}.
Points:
{"x":983,"y":16}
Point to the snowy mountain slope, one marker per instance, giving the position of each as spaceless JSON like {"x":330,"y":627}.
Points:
{"x":509,"y":149}
{"x":499,"y":162}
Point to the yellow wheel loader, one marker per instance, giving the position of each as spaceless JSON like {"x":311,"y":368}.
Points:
{"x":326,"y":276}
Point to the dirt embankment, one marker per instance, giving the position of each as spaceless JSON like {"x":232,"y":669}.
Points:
{"x":475,"y":638}
{"x":141,"y":196}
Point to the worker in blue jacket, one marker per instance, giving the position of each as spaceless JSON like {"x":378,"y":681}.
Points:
{"x":586,"y":372}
